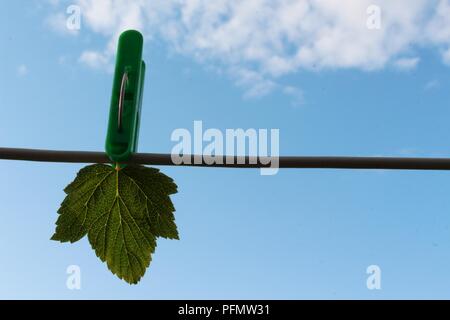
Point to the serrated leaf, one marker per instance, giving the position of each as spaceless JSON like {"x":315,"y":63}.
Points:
{"x":122,"y":212}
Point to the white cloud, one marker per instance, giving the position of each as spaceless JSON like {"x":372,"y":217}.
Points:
{"x":95,"y":60}
{"x":22,"y":70}
{"x":407,"y":63}
{"x":438,"y":28}
{"x":259,"y":41}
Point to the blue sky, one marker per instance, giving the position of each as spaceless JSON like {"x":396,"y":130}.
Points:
{"x":298,"y":234}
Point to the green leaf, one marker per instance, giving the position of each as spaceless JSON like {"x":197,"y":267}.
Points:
{"x":122,"y":212}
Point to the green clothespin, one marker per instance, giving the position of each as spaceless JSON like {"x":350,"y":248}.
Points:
{"x":126,"y":100}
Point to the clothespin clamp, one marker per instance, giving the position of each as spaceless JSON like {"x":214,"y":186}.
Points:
{"x":126,"y":100}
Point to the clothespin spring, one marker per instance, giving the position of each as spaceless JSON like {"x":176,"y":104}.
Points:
{"x":123,"y":87}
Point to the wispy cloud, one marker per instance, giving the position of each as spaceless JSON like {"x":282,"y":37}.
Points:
{"x":297,"y":95}
{"x":432,"y":84}
{"x":446,"y":56}
{"x":22,"y":70}
{"x":96,"y":60}
{"x":406,"y":63}
{"x":253,"y":82}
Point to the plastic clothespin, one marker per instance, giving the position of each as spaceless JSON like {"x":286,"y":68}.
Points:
{"x":126,"y":100}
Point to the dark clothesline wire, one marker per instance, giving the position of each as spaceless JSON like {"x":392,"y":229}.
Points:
{"x":311,"y":162}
